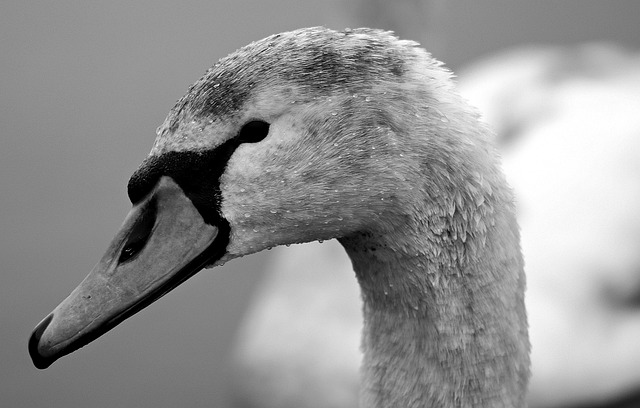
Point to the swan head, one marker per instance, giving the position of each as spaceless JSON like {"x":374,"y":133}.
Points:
{"x":307,"y":135}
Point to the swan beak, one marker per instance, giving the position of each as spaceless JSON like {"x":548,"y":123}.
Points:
{"x":163,"y":241}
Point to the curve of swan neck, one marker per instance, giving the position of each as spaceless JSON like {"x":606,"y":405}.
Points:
{"x":445,"y":323}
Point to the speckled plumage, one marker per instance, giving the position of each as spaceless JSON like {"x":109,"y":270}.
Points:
{"x":296,"y":66}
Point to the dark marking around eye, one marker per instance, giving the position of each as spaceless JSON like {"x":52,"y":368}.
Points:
{"x":196,"y":172}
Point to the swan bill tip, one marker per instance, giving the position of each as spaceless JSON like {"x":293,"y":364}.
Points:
{"x":39,"y":360}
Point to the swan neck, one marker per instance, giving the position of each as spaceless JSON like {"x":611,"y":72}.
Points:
{"x":439,"y":332}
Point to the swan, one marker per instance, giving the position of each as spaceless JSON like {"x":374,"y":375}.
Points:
{"x":316,"y":134}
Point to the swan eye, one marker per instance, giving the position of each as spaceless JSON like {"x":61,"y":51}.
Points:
{"x":253,"y":132}
{"x":139,"y":234}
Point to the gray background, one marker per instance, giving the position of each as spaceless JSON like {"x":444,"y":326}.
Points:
{"x":83,"y":87}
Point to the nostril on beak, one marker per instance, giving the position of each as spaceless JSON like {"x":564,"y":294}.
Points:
{"x":39,"y":361}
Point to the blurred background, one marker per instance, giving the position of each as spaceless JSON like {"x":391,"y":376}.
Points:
{"x":83,"y":87}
